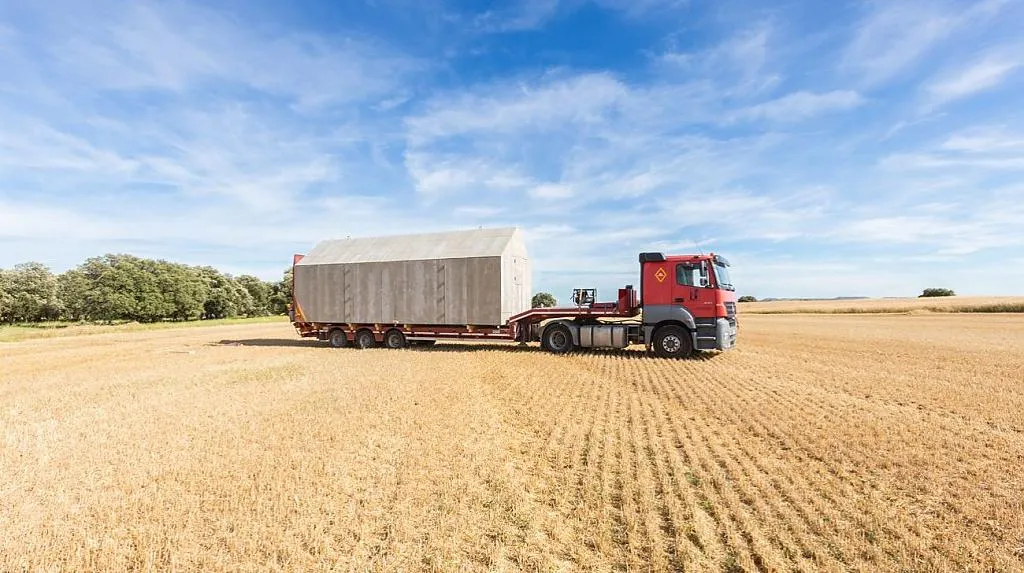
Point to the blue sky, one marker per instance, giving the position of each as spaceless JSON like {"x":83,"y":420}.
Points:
{"x":827,"y":149}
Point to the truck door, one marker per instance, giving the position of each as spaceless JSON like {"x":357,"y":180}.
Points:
{"x":692,"y":288}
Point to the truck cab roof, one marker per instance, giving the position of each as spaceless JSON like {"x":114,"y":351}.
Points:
{"x":661,"y":258}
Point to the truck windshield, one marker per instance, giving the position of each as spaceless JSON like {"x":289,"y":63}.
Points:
{"x":724,"y":281}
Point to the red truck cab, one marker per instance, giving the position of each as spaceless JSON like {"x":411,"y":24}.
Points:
{"x":693,"y":292}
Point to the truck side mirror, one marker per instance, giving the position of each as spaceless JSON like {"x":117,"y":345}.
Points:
{"x":703,"y":281}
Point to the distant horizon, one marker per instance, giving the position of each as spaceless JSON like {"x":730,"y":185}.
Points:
{"x":739,"y":292}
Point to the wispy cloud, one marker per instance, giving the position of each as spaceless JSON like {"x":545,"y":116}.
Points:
{"x":894,"y":36}
{"x":527,"y":15}
{"x":641,"y":7}
{"x":978,"y":76}
{"x":985,"y":140}
{"x":801,"y":105}
{"x":981,"y":149}
{"x":178,"y":48}
{"x":508,"y":106}
{"x":739,"y":62}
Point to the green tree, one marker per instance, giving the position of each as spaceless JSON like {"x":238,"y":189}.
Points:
{"x":928,"y":292}
{"x":748,"y":298}
{"x":244,"y":302}
{"x":281,"y":294}
{"x":125,"y":287}
{"x":226,"y":298}
{"x":259,"y":291}
{"x":72,"y":286}
{"x":111,"y":293}
{"x":147,"y":281}
{"x":543,"y":299}
{"x":33,"y":291}
{"x":185,"y":291}
{"x":6,"y":297}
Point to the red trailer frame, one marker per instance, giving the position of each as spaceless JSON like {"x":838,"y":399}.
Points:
{"x":519,"y":327}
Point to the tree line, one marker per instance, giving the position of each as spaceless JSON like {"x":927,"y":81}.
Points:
{"x":117,"y":287}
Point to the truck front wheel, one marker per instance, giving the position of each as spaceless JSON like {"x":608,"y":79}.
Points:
{"x":673,"y":342}
{"x":558,"y":339}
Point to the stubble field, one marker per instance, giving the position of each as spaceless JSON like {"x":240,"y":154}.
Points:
{"x":822,"y":443}
{"x":957,"y":304}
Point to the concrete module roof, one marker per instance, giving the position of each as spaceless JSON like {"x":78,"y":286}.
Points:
{"x":494,"y":242}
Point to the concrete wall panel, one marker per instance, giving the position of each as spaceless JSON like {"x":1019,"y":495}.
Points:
{"x":477,"y":291}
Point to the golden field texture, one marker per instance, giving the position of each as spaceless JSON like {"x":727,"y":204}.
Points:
{"x":29,"y":331}
{"x":822,"y":443}
{"x":1000,"y":304}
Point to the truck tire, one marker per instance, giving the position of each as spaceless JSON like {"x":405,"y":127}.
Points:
{"x":673,"y":342}
{"x":558,"y":339}
{"x":395,"y":339}
{"x":365,"y":339}
{"x":337,"y":338}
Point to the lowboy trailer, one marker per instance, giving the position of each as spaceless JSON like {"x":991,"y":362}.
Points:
{"x":685,"y":303}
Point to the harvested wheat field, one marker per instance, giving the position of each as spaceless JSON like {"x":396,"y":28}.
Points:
{"x":998,"y":304}
{"x":822,"y":443}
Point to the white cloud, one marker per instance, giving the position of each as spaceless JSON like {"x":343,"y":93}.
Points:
{"x":174,"y":47}
{"x":737,"y":64}
{"x":981,"y":75}
{"x":895,"y":35}
{"x":956,"y":233}
{"x":801,"y":105}
{"x":931,"y":161}
{"x":509,"y":107}
{"x":552,"y":191}
{"x":259,"y":162}
{"x":438,"y":174}
{"x":188,"y":100}
{"x":986,"y":140}
{"x":477,"y":212}
{"x":642,"y":6}
{"x":34,"y":145}
{"x":526,"y":15}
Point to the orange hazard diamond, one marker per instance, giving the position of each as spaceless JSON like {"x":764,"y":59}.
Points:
{"x":660,"y":275}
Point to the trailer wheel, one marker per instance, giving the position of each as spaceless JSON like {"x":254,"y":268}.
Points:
{"x":365,"y":339}
{"x":558,"y":339}
{"x":337,"y":339}
{"x":673,"y":342}
{"x":394,"y":339}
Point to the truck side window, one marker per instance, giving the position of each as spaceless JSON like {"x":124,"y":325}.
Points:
{"x":686,"y":275}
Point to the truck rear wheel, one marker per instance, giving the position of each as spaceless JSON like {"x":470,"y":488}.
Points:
{"x":673,"y":342}
{"x":394,"y":339}
{"x":337,"y":339}
{"x":365,"y":339}
{"x":558,"y":339}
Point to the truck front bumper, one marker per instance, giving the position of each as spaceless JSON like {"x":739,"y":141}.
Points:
{"x":725,"y":334}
